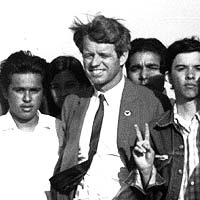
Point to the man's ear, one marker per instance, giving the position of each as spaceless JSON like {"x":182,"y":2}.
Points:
{"x":123,"y":58}
{"x":5,"y":93}
{"x":169,"y":79}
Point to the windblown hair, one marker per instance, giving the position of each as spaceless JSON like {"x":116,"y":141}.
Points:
{"x":102,"y":30}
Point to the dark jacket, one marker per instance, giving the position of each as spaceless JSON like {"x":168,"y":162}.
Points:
{"x":167,"y":140}
{"x":138,"y":106}
{"x":156,"y":84}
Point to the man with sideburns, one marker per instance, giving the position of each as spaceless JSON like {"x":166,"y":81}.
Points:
{"x":101,"y":150}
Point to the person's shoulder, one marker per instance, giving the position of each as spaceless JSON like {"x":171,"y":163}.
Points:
{"x":46,"y":116}
{"x":6,"y":121}
{"x":48,"y":119}
{"x":143,"y":97}
{"x":71,"y":100}
{"x":6,"y":117}
{"x":52,"y":123}
{"x":3,"y":121}
{"x":162,"y":120}
{"x":139,"y":91}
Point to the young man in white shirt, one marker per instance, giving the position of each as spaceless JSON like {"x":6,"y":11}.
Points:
{"x":28,"y":138}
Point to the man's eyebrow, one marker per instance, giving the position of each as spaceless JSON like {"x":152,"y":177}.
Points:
{"x":180,"y":65}
{"x":152,"y":64}
{"x":136,"y":65}
{"x":18,"y":87}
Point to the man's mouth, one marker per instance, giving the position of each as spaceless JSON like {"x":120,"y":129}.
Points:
{"x":190,"y":85}
{"x":26,"y":108}
{"x":96,"y":72}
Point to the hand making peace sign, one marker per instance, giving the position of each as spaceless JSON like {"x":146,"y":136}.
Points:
{"x":143,"y":153}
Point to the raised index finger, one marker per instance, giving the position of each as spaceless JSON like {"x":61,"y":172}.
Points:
{"x":138,"y":133}
{"x":147,"y":132}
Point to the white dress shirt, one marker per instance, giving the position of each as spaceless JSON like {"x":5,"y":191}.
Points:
{"x":101,"y":181}
{"x":27,"y":158}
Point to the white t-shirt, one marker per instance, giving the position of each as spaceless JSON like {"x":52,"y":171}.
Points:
{"x":27,"y":158}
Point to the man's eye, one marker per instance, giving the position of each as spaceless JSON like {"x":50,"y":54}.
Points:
{"x":87,"y":55}
{"x":180,"y":68}
{"x":153,"y":67}
{"x":35,"y":90}
{"x":19,"y":90}
{"x":198,"y":67}
{"x":134,"y":68}
{"x":104,"y":55}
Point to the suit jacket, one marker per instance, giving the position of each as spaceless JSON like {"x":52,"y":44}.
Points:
{"x":138,"y":106}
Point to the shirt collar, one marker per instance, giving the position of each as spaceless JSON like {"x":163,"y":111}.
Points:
{"x":9,"y":122}
{"x":114,"y":93}
{"x":11,"y":125}
{"x":178,"y":119}
{"x":43,"y":121}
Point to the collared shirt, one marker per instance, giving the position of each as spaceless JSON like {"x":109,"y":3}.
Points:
{"x":101,"y":181}
{"x":189,"y":131}
{"x":27,"y":158}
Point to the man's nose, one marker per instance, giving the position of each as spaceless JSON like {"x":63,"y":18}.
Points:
{"x":144,"y":73}
{"x":190,"y":74}
{"x":96,"y":60}
{"x":27,"y":96}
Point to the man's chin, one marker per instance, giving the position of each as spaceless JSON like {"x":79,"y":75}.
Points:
{"x":25,"y":117}
{"x":98,"y":82}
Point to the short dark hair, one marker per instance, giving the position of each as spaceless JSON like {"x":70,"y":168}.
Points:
{"x":62,"y":63}
{"x":22,"y":62}
{"x":185,"y":45}
{"x":148,"y":44}
{"x":102,"y":30}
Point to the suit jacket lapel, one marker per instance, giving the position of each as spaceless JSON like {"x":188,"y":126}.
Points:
{"x":127,"y":118}
{"x":70,"y":155}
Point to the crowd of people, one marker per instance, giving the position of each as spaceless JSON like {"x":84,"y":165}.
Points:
{"x":73,"y":131}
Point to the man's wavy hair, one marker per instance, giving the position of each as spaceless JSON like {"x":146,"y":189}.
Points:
{"x":185,"y":45}
{"x":102,"y":30}
{"x":22,"y":62}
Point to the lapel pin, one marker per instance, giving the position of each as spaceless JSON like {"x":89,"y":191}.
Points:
{"x":127,"y":113}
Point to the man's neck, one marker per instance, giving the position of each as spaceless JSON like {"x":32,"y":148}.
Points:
{"x":188,"y":109}
{"x":111,"y":84}
{"x":27,"y":126}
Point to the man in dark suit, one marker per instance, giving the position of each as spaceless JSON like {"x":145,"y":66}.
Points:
{"x":104,"y":44}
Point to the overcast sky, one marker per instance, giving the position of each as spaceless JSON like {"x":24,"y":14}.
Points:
{"x":41,"y":26}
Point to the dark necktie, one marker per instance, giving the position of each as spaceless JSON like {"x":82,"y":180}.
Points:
{"x":67,"y":180}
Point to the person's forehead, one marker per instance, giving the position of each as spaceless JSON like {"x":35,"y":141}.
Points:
{"x":88,"y":44}
{"x":23,"y":78}
{"x":147,"y":53}
{"x":145,"y":56}
{"x":27,"y":74}
{"x":186,"y":57}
